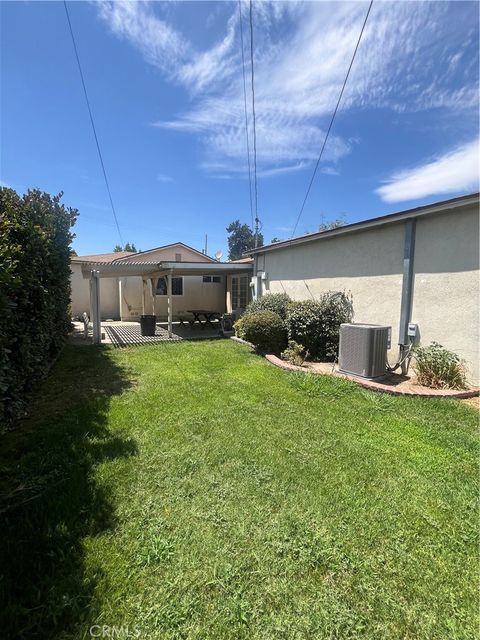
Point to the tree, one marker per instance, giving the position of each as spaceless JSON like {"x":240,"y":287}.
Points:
{"x":241,"y":239}
{"x":333,"y":224}
{"x":129,"y":246}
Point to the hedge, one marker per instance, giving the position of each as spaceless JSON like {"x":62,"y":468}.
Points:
{"x":35,"y":237}
{"x":315,"y":324}
{"x":264,"y":329}
{"x":276,"y":302}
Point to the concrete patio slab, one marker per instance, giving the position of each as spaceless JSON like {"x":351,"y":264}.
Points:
{"x":123,"y":334}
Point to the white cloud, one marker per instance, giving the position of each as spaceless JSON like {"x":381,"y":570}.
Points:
{"x":455,"y":171}
{"x":160,"y":44}
{"x":408,"y":61}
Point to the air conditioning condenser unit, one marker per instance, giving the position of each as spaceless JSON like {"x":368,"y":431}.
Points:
{"x":363,"y":349}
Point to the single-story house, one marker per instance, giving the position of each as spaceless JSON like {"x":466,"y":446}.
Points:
{"x":420,"y":266}
{"x":197,"y":281}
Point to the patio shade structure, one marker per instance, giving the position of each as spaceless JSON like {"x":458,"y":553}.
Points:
{"x":150,"y":272}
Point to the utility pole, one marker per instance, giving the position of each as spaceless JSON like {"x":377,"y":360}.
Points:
{"x":206,"y":244}
{"x":257,"y":223}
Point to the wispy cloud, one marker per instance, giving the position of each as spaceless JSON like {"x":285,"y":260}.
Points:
{"x":408,"y":61}
{"x":163,"y":177}
{"x":456,"y":170}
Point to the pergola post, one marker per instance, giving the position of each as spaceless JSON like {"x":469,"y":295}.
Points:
{"x":170,"y":306}
{"x":144,"y":295}
{"x":152,"y":294}
{"x":95,"y":306}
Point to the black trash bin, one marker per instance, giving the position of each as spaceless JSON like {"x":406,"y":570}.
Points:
{"x":148,"y":325}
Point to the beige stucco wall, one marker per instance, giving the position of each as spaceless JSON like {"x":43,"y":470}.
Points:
{"x":80,"y":297}
{"x":196,"y":293}
{"x":369,"y":263}
{"x":446,"y":286}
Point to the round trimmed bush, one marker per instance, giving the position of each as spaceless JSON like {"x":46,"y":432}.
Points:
{"x":276,"y":302}
{"x":264,"y":329}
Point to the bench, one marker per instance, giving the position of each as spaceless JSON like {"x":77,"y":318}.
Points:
{"x":183,"y":317}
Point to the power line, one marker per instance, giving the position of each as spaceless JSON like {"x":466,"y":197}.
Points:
{"x":254,"y":128}
{"x":245,"y":106}
{"x":333,"y":118}
{"x":91,"y":121}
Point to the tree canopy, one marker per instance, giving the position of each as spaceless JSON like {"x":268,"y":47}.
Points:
{"x":332,"y":224}
{"x":241,"y":239}
{"x":129,"y":246}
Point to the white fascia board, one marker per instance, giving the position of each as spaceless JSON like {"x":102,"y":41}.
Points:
{"x":205,"y":268}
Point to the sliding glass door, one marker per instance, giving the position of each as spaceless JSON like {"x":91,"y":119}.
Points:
{"x":240,"y":291}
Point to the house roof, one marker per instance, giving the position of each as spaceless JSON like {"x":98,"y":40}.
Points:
{"x":429,"y":209}
{"x":242,"y":260}
{"x":103,"y":257}
{"x":142,"y":254}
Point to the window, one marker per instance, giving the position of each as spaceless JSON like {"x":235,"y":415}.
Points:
{"x":216,"y":279}
{"x":239,"y":292}
{"x":177,"y":286}
{"x":178,"y":257}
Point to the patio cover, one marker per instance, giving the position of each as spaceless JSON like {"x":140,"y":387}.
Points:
{"x":150,"y":271}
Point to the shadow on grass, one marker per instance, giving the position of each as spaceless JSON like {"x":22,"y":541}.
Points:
{"x":50,"y":501}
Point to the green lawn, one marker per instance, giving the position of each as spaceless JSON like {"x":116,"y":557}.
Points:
{"x":192,"y":490}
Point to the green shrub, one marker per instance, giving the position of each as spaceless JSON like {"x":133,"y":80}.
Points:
{"x":276,"y":302}
{"x":316,"y":323}
{"x":294,"y":353}
{"x":264,"y":329}
{"x":439,"y":368}
{"x":35,"y":242}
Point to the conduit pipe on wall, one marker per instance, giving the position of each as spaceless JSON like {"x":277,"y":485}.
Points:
{"x":404,"y":340}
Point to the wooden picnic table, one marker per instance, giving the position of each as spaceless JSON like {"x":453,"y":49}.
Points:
{"x":208,"y":315}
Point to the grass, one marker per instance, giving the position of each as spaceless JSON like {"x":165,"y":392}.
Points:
{"x":192,"y":490}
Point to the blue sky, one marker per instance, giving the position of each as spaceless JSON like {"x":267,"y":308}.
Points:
{"x":166,"y":89}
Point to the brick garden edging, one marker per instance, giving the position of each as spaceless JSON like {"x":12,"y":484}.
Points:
{"x":407,"y":390}
{"x":241,"y":341}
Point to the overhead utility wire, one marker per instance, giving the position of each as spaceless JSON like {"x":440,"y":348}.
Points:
{"x":254,"y":128}
{"x":332,"y":119}
{"x":92,"y":122}
{"x":245,"y":106}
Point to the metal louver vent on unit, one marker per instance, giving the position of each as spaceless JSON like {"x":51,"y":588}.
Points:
{"x":363,"y":349}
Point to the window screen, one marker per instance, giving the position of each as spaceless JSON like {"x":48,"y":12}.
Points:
{"x":177,"y":286}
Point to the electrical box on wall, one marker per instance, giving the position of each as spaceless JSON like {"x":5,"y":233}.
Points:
{"x":412,"y":330}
